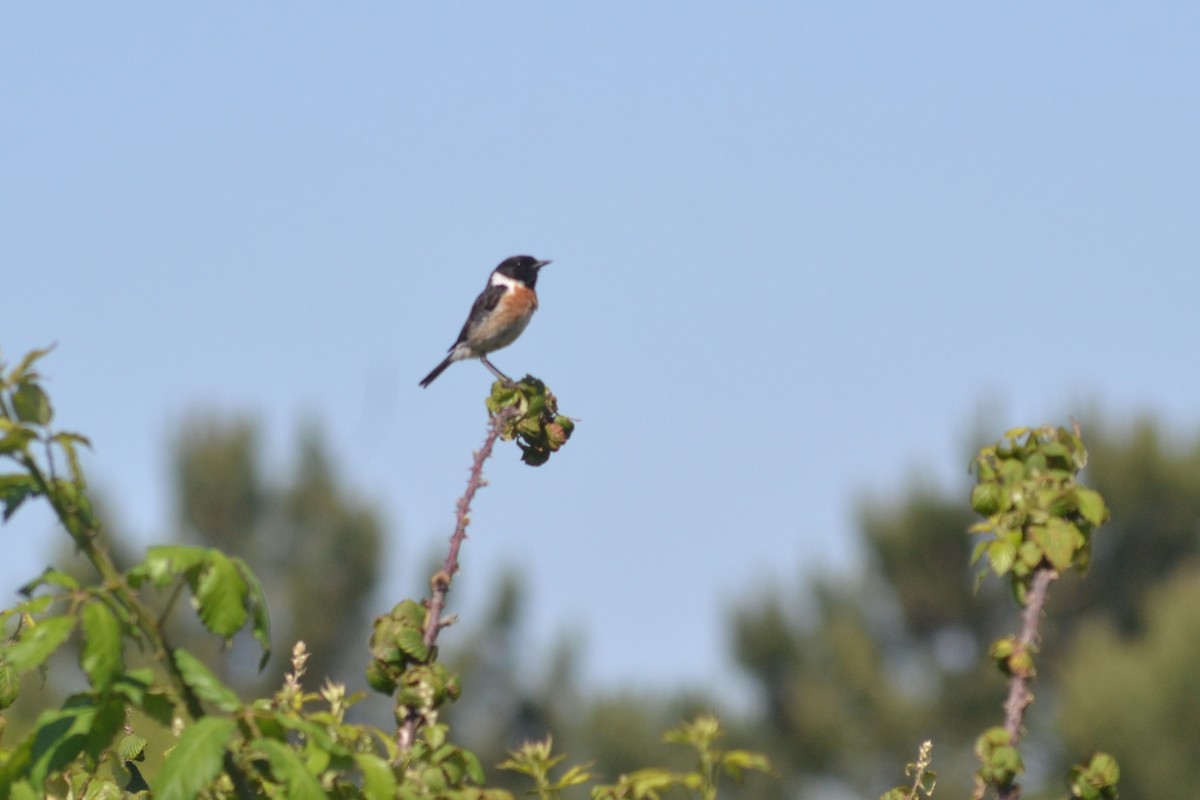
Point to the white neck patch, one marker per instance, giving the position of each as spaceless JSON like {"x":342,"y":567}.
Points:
{"x":500,"y":279}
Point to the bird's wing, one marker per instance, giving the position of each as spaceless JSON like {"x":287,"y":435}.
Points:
{"x":486,"y":302}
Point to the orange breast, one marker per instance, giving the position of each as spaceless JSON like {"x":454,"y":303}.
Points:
{"x":507,"y":321}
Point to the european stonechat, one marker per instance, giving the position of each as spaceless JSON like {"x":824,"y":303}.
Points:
{"x":499,"y":314}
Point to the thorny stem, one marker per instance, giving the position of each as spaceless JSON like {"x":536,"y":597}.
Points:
{"x":1019,"y":694}
{"x":434,"y":622}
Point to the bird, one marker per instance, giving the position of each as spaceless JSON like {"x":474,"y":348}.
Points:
{"x":498,"y":316}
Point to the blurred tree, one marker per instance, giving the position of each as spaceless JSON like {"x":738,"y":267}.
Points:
{"x":853,"y":674}
{"x":315,"y":547}
{"x":1151,"y":480}
{"x":1140,"y":700}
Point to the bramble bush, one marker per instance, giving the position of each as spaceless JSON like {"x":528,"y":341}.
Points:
{"x":298,"y":744}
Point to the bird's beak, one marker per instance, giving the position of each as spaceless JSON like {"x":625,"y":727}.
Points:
{"x":540,"y":264}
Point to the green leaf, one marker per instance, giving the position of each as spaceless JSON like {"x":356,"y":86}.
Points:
{"x":412,"y":643}
{"x":260,"y":619}
{"x":221,"y":595}
{"x":736,"y":762}
{"x":107,"y":721}
{"x":1001,"y":555}
{"x":102,"y":790}
{"x":13,"y":437}
{"x":164,"y":563}
{"x":1091,"y":506}
{"x":475,"y":769}
{"x":31,"y":404}
{"x":288,"y":768}
{"x":101,"y":656}
{"x":60,"y":735}
{"x":22,"y":369}
{"x":379,"y":782}
{"x":50,"y":577}
{"x":132,"y":748}
{"x":1060,"y":540}
{"x":985,"y":499}
{"x":204,"y":683}
{"x":317,"y":734}
{"x":980,"y":549}
{"x":39,"y":642}
{"x":195,"y":761}
{"x":10,"y":685}
{"x":133,"y":685}
{"x":15,"y":489}
{"x":67,"y":442}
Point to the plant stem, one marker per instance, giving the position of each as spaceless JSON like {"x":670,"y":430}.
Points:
{"x":434,"y":622}
{"x":1019,"y":695}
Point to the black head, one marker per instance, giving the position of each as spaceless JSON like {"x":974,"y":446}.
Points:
{"x":521,"y":268}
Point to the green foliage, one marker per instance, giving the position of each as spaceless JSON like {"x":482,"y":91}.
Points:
{"x":924,"y":780}
{"x":1001,"y":760}
{"x":1097,"y":779}
{"x":314,"y":545}
{"x":1041,"y":522}
{"x":293,"y":743}
{"x":1140,"y":700}
{"x":1036,"y":513}
{"x":536,"y":425}
{"x":535,"y":760}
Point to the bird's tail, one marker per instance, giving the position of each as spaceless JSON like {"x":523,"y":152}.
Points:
{"x":438,"y":370}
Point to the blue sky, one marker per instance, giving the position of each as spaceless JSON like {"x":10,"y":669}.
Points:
{"x":797,"y":248}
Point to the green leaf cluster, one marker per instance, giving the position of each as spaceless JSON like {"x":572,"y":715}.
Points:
{"x":1001,"y":760}
{"x":1096,"y":779}
{"x":536,"y":424}
{"x":1037,"y":515}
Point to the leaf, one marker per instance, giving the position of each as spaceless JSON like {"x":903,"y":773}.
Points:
{"x":101,"y":657}
{"x":22,"y":369}
{"x":103,"y":790}
{"x":132,"y":748}
{"x":260,"y":618}
{"x":195,"y":761}
{"x":10,"y":685}
{"x":288,"y":768}
{"x":50,"y":577}
{"x":736,"y":762}
{"x":164,"y":563}
{"x":15,"y":489}
{"x":107,"y":721}
{"x":14,"y":437}
{"x":1091,"y":506}
{"x":31,"y":403}
{"x":985,"y":499}
{"x":412,"y":643}
{"x":1061,"y":540}
{"x":39,"y":642}
{"x":475,"y":769}
{"x":204,"y":683}
{"x":221,"y":595}
{"x":1001,"y":555}
{"x":379,"y":782}
{"x":67,"y":442}
{"x":133,"y":685}
{"x":60,"y":735}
